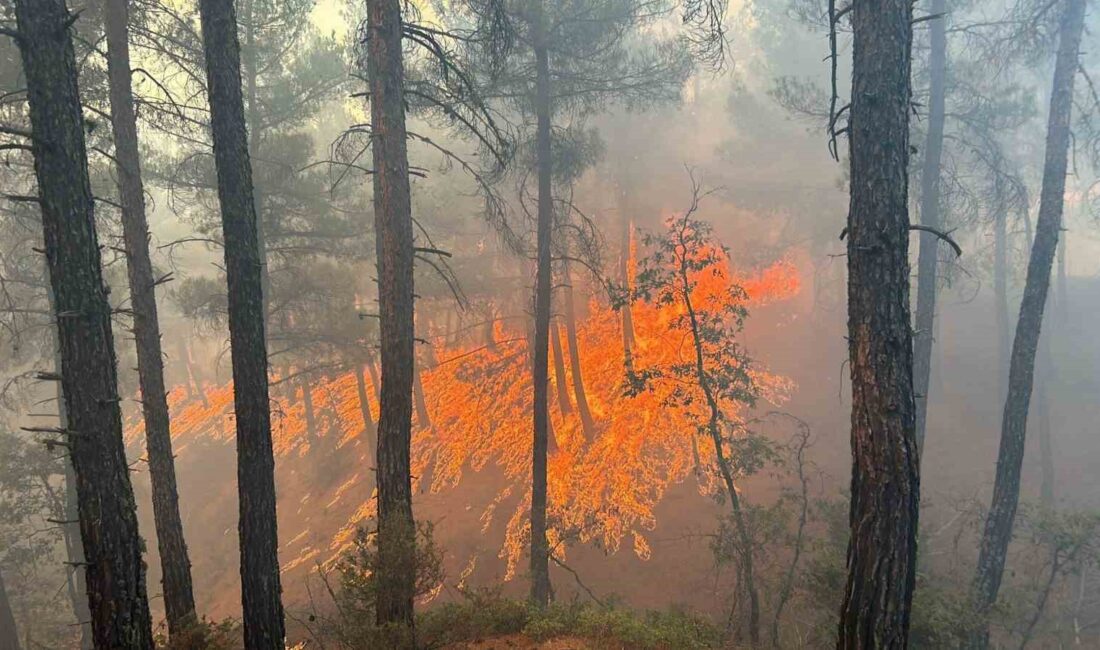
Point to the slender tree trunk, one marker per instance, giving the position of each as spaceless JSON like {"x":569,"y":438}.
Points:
{"x":559,"y":372}
{"x":261,"y":590}
{"x":364,"y":404}
{"x":193,"y":381}
{"x":748,"y":572}
{"x":1006,"y":488}
{"x":575,"y":358}
{"x":394,"y":244}
{"x":1046,"y":442}
{"x":540,"y":547}
{"x":924,"y":334}
{"x":1000,"y":299}
{"x":423,"y":420}
{"x":882,"y":550}
{"x":107,"y":513}
{"x":376,"y":384}
{"x":179,"y":599}
{"x":625,"y":244}
{"x":9,"y":633}
{"x":307,"y":406}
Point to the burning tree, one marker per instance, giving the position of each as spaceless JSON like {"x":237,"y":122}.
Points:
{"x":715,"y":382}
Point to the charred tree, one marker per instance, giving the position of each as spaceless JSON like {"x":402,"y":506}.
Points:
{"x":930,"y":204}
{"x":564,"y":405}
{"x":1006,"y":488}
{"x":9,"y":633}
{"x":261,"y":596}
{"x":364,"y":404}
{"x":179,"y":599}
{"x":307,"y":406}
{"x":885,"y":459}
{"x":625,"y":242}
{"x":587,"y":423}
{"x":540,"y":547}
{"x":394,"y":250}
{"x":93,"y":435}
{"x":423,"y":420}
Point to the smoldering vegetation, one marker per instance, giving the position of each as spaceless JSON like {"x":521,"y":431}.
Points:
{"x":578,"y":324}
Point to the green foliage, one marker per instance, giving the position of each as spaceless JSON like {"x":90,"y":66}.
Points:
{"x":205,"y":634}
{"x":485,"y":614}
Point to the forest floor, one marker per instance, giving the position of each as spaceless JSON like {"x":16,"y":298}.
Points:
{"x":523,"y":642}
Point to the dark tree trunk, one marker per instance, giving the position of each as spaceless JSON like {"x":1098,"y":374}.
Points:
{"x":179,"y":599}
{"x":9,"y":633}
{"x":575,"y":358}
{"x":625,"y":242}
{"x":76,"y":580}
{"x":394,"y":246}
{"x":364,"y":405}
{"x":250,"y":68}
{"x":376,"y":384}
{"x":107,"y":513}
{"x":882,"y":550}
{"x":1046,"y":438}
{"x":925,"y":329}
{"x":423,"y":420}
{"x":540,"y":547}
{"x":559,"y":371}
{"x":307,"y":406}
{"x":262,"y":613}
{"x":1006,"y":488}
{"x":1000,"y":299}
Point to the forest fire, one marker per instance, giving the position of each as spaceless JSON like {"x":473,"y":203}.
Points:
{"x":604,"y":485}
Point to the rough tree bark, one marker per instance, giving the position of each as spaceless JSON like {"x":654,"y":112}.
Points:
{"x":540,"y":547}
{"x":108,"y":519}
{"x":262,"y":613}
{"x":924,"y":327}
{"x":9,"y":633}
{"x":1006,"y":487}
{"x":885,"y":460}
{"x":394,"y":250}
{"x":179,"y":599}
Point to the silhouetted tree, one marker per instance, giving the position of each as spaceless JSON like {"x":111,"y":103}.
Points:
{"x":93,"y":435}
{"x":260,"y":582}
{"x":179,"y":601}
{"x":1006,"y":488}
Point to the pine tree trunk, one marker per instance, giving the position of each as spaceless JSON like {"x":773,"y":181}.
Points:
{"x":559,"y":371}
{"x":1006,"y":488}
{"x":575,"y":358}
{"x":307,"y":406}
{"x":364,"y":405}
{"x":76,"y":579}
{"x":250,"y":68}
{"x":261,"y":591}
{"x":924,"y":334}
{"x":376,"y":384}
{"x":423,"y":420}
{"x":885,"y":468}
{"x":179,"y":599}
{"x":625,"y":242}
{"x":540,"y":547}
{"x":1000,"y":299}
{"x":9,"y":633}
{"x":107,"y":512}
{"x":394,"y":245}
